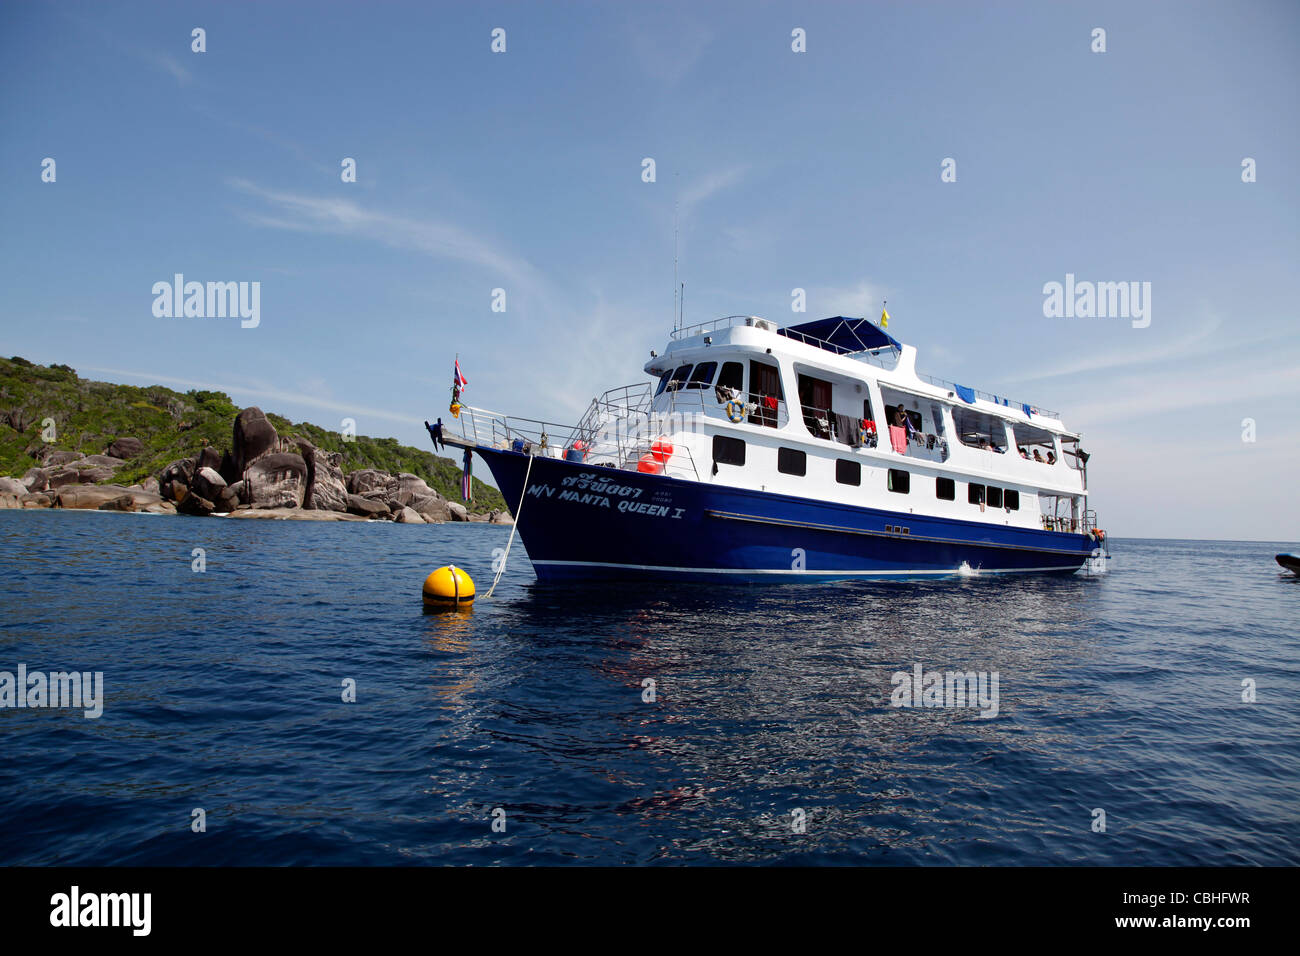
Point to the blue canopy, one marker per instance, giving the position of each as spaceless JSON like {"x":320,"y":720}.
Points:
{"x":967,"y":394}
{"x":841,"y":334}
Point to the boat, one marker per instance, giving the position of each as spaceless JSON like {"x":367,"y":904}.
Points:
{"x":765,"y":453}
{"x":1290,"y":561}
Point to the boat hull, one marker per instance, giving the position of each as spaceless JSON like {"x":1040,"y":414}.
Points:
{"x":581,"y":522}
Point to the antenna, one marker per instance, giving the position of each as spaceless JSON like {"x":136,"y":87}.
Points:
{"x":676,"y":321}
{"x":683,"y":301}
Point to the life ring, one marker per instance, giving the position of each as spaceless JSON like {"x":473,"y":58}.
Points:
{"x":735,"y":412}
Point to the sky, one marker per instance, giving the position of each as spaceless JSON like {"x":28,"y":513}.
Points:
{"x":819,"y":170}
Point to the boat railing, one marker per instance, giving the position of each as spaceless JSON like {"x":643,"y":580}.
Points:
{"x":725,"y":322}
{"x":990,"y":397}
{"x":615,"y":442}
{"x":646,"y":454}
{"x":712,"y":402}
{"x":872,"y":356}
{"x":626,"y":401}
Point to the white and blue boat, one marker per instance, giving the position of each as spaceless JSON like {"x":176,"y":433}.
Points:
{"x":815,"y":451}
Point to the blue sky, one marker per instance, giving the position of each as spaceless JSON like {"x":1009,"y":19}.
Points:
{"x":816,"y":170}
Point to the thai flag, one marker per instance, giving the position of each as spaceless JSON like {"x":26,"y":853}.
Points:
{"x":461,"y":380}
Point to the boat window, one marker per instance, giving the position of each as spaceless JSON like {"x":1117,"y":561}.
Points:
{"x":900,"y":481}
{"x":866,"y":410}
{"x":975,"y":494}
{"x":995,"y":497}
{"x":1011,"y":500}
{"x":682,"y":373}
{"x":728,"y":451}
{"x":815,"y":400}
{"x":1034,"y":443}
{"x":945,"y":489}
{"x":663,"y":381}
{"x":765,"y":393}
{"x":703,"y":376}
{"x":789,"y":461}
{"x":980,"y":430}
{"x":733,"y":376}
{"x":848,"y":472}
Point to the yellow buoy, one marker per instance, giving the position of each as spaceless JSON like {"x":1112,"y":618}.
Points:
{"x":448,"y":586}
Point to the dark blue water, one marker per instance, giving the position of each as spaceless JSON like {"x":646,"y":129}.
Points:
{"x":223,"y":692}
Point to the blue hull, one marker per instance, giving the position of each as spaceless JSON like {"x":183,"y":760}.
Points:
{"x":585,"y":522}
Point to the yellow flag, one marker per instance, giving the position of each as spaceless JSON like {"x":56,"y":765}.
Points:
{"x":884,"y":319}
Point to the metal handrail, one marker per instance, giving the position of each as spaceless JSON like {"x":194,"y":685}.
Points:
{"x":990,"y":397}
{"x":712,"y":325}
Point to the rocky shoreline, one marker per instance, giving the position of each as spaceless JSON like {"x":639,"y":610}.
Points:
{"x":263,"y":475}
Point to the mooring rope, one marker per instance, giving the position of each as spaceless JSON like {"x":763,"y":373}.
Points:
{"x":513,"y":528}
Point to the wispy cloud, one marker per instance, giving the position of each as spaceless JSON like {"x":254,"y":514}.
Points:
{"x":169,"y":64}
{"x":345,"y":217}
{"x":1179,"y":389}
{"x":666,"y":54}
{"x":707,"y":187}
{"x":861,"y":299}
{"x":1200,"y":341}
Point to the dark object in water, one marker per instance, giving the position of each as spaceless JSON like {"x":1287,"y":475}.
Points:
{"x":1290,"y":561}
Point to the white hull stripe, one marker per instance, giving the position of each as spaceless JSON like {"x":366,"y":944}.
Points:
{"x":789,"y":571}
{"x":839,"y":529}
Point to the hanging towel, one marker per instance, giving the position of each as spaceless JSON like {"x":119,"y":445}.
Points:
{"x":898,"y":438}
{"x":847,"y":430}
{"x":770,"y":401}
{"x":967,"y":394}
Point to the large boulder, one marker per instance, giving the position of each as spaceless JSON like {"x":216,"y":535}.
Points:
{"x":12,"y":486}
{"x":208,"y":457}
{"x":88,"y":496}
{"x":36,"y":479}
{"x":432,"y":509}
{"x":367,"y":507}
{"x":326,"y":489}
{"x":120,"y":503}
{"x":227,"y":469}
{"x":458,"y":511}
{"x":501,"y":517}
{"x":408,"y":516}
{"x":276,"y":480}
{"x":61,"y":477}
{"x":9,"y":501}
{"x":178,"y":472}
{"x":410,"y":487}
{"x":368,"y":480}
{"x":125,"y":447}
{"x":254,"y":436}
{"x":208,"y":483}
{"x":49,"y":456}
{"x":196,"y":505}
{"x":36,"y":500}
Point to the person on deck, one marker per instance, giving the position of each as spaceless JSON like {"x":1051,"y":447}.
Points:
{"x":435,"y":431}
{"x":1037,"y":455}
{"x":898,"y":426}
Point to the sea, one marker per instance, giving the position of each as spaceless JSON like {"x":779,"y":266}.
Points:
{"x":274,"y":693}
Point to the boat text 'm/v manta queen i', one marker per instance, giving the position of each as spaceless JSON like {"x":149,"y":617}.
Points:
{"x":814,"y":451}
